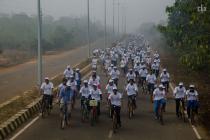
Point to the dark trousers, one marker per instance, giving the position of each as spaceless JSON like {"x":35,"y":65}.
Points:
{"x":117,"y":110}
{"x":178,"y":104}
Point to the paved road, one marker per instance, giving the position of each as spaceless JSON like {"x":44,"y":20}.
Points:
{"x":141,"y":127}
{"x":16,"y":80}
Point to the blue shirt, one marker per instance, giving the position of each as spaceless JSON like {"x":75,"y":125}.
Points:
{"x":66,"y":95}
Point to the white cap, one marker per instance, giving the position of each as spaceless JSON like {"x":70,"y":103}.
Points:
{"x":110,"y":81}
{"x":46,"y":78}
{"x":161,"y":86}
{"x":77,"y":69}
{"x":164,"y":70}
{"x":114,"y":88}
{"x":192,"y":86}
{"x":181,"y":84}
{"x":68,"y":66}
{"x":85,"y":81}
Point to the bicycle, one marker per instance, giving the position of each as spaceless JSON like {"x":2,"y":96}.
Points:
{"x":65,"y":116}
{"x":94,"y":113}
{"x":45,"y":107}
{"x":131,"y":106}
{"x":84,"y":110}
{"x":160,"y":113}
{"x":114,"y":120}
{"x":181,"y":110}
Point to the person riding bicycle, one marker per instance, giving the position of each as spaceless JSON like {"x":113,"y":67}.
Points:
{"x":137,"y":68}
{"x":47,"y":91}
{"x":85,"y":92}
{"x":78,"y":78}
{"x":68,"y":72}
{"x":132,"y":91}
{"x":159,"y":99}
{"x":94,"y":79}
{"x":65,"y":99}
{"x":109,"y":87}
{"x":131,"y":75}
{"x":96,"y":94}
{"x":143,"y":75}
{"x":179,"y":94}
{"x":115,"y":100}
{"x":165,"y":79}
{"x":73,"y":85}
{"x":192,"y":100}
{"x":94,"y":63}
{"x":155,"y":68}
{"x":151,"y":81}
{"x":115,"y":73}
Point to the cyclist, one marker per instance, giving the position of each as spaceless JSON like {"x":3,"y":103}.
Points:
{"x":47,"y":91}
{"x":143,"y":74}
{"x":151,"y":81}
{"x":165,"y":78}
{"x":115,"y":73}
{"x":131,"y":75}
{"x":132,"y":91}
{"x":179,"y":94}
{"x":159,"y":99}
{"x":155,"y":68}
{"x":68,"y":72}
{"x":94,"y":79}
{"x":94,"y":63}
{"x":192,"y":100}
{"x":115,"y":101}
{"x":96,"y":94}
{"x":65,"y":99}
{"x":73,"y":85}
{"x":137,"y":68}
{"x":109,"y":87}
{"x":78,"y":78}
{"x":85,"y":92}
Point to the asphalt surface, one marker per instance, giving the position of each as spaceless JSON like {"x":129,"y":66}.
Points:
{"x":142,"y":126}
{"x":15,"y":80}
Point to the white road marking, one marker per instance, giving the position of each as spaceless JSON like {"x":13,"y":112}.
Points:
{"x":110,"y":134}
{"x":26,"y":127}
{"x":34,"y":120}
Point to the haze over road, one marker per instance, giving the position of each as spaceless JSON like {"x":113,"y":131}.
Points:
{"x":16,"y":80}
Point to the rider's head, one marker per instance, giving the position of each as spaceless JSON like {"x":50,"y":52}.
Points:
{"x":94,"y":73}
{"x":95,"y":86}
{"x":46,"y":79}
{"x":164,"y":71}
{"x":115,"y":68}
{"x":131,"y":71}
{"x":68,"y":67}
{"x":111,"y":82}
{"x":115,"y":90}
{"x":192,"y":88}
{"x":161,"y":87}
{"x":85,"y":83}
{"x":181,"y":84}
{"x":131,"y":81}
{"x":77,"y":69}
{"x":64,"y":81}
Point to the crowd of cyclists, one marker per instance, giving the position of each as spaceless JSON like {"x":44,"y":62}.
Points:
{"x":132,"y":59}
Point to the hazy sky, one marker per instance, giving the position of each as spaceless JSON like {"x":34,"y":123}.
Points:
{"x":137,"y":11}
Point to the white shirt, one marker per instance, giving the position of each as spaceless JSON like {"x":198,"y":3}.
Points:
{"x":115,"y":99}
{"x":85,"y":91}
{"x":96,"y":81}
{"x":137,"y":67}
{"x":131,"y":89}
{"x":122,"y":63}
{"x":115,"y":74}
{"x":143,"y":73}
{"x":191,"y":95}
{"x":164,"y":77}
{"x":47,"y":88}
{"x":109,"y":88}
{"x":68,"y":73}
{"x":179,"y":92}
{"x":95,"y":94}
{"x":155,"y":66}
{"x":131,"y":76}
{"x":73,"y":84}
{"x":151,"y":79}
{"x":158,"y":95}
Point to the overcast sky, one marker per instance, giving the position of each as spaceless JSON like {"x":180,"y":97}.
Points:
{"x":137,"y":11}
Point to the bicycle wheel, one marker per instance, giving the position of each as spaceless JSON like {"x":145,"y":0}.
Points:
{"x":93,"y":117}
{"x":192,"y":117}
{"x":114,"y":122}
{"x":43,"y":110}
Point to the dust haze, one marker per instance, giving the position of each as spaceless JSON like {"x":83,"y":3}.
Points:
{"x":137,"y":11}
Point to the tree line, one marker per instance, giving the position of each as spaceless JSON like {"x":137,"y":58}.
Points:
{"x":19,"y":32}
{"x":187,"y":33}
